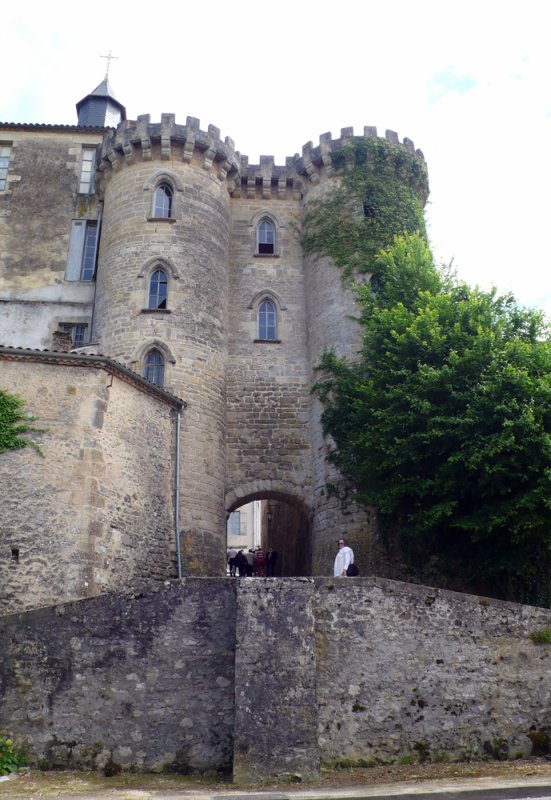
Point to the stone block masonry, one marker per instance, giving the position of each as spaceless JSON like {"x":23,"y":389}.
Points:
{"x":410,"y":672}
{"x":145,"y":681}
{"x":251,"y":427}
{"x":275,"y":700}
{"x":95,"y":513}
{"x":274,"y":676}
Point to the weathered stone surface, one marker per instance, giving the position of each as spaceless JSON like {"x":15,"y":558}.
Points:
{"x":206,"y":673}
{"x":407,"y":671}
{"x":251,"y":427}
{"x":275,"y":681}
{"x":95,"y":512}
{"x":36,"y":210}
{"x":146,"y":681}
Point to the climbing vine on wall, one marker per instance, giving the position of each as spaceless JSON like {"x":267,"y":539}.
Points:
{"x":381,"y":194}
{"x":14,"y":424}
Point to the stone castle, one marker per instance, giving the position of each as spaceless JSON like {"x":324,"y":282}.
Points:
{"x":162,"y":322}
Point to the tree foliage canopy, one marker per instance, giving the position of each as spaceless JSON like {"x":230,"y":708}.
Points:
{"x":444,"y":422}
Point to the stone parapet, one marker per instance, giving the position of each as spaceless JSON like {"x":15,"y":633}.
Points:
{"x":270,"y":676}
{"x":137,"y":139}
{"x":143,"y":140}
{"x":275,"y":732}
{"x":315,"y":164}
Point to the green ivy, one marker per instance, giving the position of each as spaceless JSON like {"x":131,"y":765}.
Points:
{"x":14,"y":424}
{"x":381,"y":194}
{"x":10,"y":758}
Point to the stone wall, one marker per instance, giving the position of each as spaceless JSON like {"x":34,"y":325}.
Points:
{"x":251,"y":428}
{"x":331,"y":313}
{"x":144,"y":681}
{"x":192,"y":248}
{"x":275,"y":688}
{"x":273,"y":676}
{"x":268,"y":382}
{"x":410,"y":672}
{"x":95,"y":512}
{"x":36,"y":211}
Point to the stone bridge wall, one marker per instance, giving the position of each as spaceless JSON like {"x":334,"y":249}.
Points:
{"x":272,"y":676}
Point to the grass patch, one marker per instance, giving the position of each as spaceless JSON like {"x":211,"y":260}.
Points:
{"x":543,"y":636}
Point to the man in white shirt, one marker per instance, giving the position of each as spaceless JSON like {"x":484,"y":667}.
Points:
{"x":344,"y":557}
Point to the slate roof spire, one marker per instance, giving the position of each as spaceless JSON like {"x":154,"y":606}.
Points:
{"x":101,"y":108}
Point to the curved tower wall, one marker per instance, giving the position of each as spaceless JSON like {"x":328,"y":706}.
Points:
{"x":192,"y":247}
{"x":330,"y":312}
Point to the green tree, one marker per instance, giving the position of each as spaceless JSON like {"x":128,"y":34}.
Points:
{"x":14,"y":423}
{"x":444,"y":424}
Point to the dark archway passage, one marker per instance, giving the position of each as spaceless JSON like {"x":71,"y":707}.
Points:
{"x":287,"y":530}
{"x":283,"y":524}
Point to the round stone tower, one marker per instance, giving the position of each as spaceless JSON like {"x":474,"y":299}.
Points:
{"x":331,"y":310}
{"x":162,"y":295}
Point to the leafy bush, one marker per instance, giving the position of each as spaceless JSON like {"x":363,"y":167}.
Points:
{"x":10,"y":758}
{"x":442,"y":424}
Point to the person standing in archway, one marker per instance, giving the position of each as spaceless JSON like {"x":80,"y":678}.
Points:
{"x":241,"y":564}
{"x":232,"y":553}
{"x":271,"y":561}
{"x":260,"y":562}
{"x":344,"y":557}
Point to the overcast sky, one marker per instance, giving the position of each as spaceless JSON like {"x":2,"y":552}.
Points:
{"x":468,"y":82}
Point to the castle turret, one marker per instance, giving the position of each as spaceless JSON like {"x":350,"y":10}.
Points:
{"x":162,"y":295}
{"x":395,"y":173}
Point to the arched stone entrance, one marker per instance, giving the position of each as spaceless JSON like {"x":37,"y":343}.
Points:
{"x":283,"y":524}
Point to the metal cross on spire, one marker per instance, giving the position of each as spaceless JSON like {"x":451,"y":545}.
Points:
{"x":109,"y":59}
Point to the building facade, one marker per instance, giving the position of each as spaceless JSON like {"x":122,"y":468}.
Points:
{"x":158,"y":246}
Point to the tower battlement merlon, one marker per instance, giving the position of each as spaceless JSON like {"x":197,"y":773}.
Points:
{"x":318,"y":161}
{"x":266,"y":179}
{"x":136,"y":139}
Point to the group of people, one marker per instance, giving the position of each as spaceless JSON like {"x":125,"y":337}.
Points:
{"x":263,"y":564}
{"x":252,"y":562}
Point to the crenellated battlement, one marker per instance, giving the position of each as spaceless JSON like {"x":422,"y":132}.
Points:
{"x":138,"y":139}
{"x":318,"y":157}
{"x":315,"y":164}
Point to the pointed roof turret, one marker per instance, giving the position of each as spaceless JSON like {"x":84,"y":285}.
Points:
{"x":101,"y":108}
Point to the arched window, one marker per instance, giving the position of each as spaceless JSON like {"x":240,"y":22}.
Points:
{"x":155,"y":367}
{"x":267,"y":321}
{"x":265,"y":238}
{"x":162,"y":201}
{"x":158,"y":289}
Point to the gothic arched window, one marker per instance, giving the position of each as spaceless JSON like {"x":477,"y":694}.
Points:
{"x":154,"y":370}
{"x":265,"y":238}
{"x":267,"y":321}
{"x":162,"y":201}
{"x":158,"y":289}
